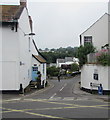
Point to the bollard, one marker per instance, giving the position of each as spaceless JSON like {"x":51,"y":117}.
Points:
{"x":100,"y":90}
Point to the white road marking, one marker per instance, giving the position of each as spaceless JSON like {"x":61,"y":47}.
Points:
{"x":55,"y":99}
{"x":52,"y":96}
{"x":63,"y":87}
{"x":68,"y":98}
{"x":60,"y":90}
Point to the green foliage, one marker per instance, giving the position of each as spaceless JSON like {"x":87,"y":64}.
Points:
{"x":83,"y":51}
{"x":103,"y":58}
{"x":59,"y":53}
{"x":53,"y":71}
{"x":74,"y":67}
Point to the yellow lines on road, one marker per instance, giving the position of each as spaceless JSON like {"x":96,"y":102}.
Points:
{"x":96,"y":106}
{"x":23,"y":110}
{"x":47,"y":116}
{"x":73,"y":105}
{"x":46,"y":101}
{"x":36,"y":114}
{"x":55,"y":108}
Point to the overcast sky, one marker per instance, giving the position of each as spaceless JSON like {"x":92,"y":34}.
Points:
{"x":59,"y":24}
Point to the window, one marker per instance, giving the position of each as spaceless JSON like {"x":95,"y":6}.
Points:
{"x":35,"y":68}
{"x":87,"y":39}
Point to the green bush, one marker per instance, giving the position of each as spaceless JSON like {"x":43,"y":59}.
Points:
{"x":103,"y":57}
{"x":53,"y":71}
{"x":83,"y":51}
{"x":74,"y":67}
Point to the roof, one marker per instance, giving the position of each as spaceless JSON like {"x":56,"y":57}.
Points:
{"x":38,"y":50}
{"x":39,"y":58}
{"x":95,"y":22}
{"x":60,"y":60}
{"x":68,"y":59}
{"x":10,"y":13}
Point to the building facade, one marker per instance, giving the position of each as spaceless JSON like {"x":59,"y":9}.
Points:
{"x":92,"y":74}
{"x":97,"y":34}
{"x":17,"y":47}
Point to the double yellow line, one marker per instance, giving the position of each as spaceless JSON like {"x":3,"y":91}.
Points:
{"x":71,"y":106}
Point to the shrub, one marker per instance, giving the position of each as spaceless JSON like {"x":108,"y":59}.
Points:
{"x":83,"y":51}
{"x":53,"y":71}
{"x":103,"y":57}
{"x":74,"y":67}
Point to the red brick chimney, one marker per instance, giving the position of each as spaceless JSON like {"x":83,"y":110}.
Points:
{"x":23,"y":3}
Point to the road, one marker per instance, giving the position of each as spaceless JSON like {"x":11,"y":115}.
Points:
{"x":58,"y":102}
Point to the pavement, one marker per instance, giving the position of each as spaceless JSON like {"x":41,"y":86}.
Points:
{"x":80,"y":92}
{"x":76,"y":91}
{"x":15,"y":95}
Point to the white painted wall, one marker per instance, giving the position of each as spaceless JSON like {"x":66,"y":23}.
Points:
{"x":0,"y":65}
{"x":16,"y":49}
{"x":59,"y":64}
{"x":25,"y":53}
{"x":99,"y":32}
{"x":87,"y":72}
{"x":109,"y":26}
{"x":10,"y":59}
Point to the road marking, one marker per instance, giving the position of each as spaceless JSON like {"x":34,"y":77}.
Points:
{"x":55,"y":99}
{"x":56,"y":108}
{"x":50,"y":108}
{"x":63,"y":87}
{"x":52,"y":96}
{"x":17,"y":99}
{"x":47,"y":116}
{"x":68,"y":98}
{"x":5,"y":112}
{"x":36,"y":100}
{"x":71,"y":106}
{"x":36,"y":114}
{"x":23,"y":110}
{"x":74,"y":105}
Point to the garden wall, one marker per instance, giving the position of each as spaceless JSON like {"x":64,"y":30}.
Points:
{"x":95,"y":74}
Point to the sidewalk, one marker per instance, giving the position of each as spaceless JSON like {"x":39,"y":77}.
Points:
{"x":16,"y":95}
{"x":80,"y":92}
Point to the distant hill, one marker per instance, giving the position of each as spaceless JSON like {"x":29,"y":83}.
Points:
{"x":52,"y":54}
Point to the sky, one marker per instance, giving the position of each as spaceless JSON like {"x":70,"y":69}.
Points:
{"x":58,"y":23}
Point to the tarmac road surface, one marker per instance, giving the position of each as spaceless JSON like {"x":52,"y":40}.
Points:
{"x":61,"y":101}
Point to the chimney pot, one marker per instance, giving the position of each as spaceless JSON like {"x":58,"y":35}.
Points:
{"x":23,"y":3}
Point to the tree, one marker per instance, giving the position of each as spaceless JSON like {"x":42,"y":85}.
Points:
{"x":53,"y":71}
{"x":60,"y":53}
{"x":74,"y":67}
{"x":46,"y":49}
{"x":83,"y":51}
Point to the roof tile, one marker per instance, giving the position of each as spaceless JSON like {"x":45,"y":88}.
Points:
{"x":39,"y":58}
{"x":10,"y":12}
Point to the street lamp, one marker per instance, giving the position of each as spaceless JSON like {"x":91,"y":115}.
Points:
{"x":29,"y":34}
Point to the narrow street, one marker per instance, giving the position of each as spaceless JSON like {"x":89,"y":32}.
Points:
{"x":57,"y":102}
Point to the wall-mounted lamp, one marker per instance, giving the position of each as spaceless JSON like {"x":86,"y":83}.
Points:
{"x":105,"y":46}
{"x":29,"y":34}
